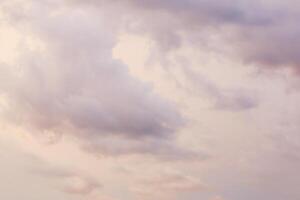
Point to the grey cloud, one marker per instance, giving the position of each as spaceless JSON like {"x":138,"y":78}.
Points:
{"x":158,"y":149}
{"x":73,"y":86}
{"x":272,"y":46}
{"x":171,"y":22}
{"x":213,"y":11}
{"x":261,"y":32}
{"x":235,"y":100}
{"x":223,"y":99}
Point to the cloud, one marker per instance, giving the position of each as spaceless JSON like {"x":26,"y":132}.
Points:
{"x":167,"y":186}
{"x":217,"y":198}
{"x":78,"y":185}
{"x":264,"y":33}
{"x":158,"y":149}
{"x":172,"y":24}
{"x":70,"y":182}
{"x":72,"y":85}
{"x":64,"y":81}
{"x":222,"y":99}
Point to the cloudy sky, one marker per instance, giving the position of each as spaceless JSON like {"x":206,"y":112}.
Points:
{"x":149,"y":99}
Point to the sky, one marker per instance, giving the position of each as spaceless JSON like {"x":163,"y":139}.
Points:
{"x":149,"y":99}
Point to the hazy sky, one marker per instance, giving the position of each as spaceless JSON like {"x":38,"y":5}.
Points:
{"x":149,"y":99}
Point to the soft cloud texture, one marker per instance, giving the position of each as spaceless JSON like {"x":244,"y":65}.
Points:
{"x":161,"y":150}
{"x":263,"y":32}
{"x":71,"y":182}
{"x":192,"y":113}
{"x":72,"y":84}
{"x":166,"y":185}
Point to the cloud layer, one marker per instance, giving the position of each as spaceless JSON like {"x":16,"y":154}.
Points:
{"x":73,"y":85}
{"x":258,"y":32}
{"x":195,"y":119}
